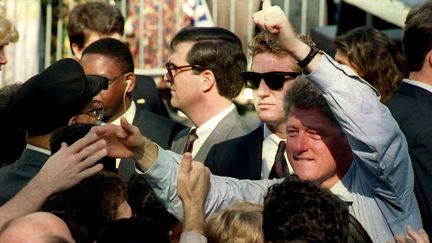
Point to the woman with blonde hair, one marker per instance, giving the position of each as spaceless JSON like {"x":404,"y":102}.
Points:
{"x":8,"y":34}
{"x":240,"y":223}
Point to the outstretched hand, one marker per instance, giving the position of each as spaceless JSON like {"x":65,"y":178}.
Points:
{"x":124,"y":141}
{"x":68,"y":166}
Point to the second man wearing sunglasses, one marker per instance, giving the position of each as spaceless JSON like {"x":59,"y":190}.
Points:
{"x":204,"y":75}
{"x":253,"y":156}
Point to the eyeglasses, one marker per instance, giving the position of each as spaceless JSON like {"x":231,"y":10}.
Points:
{"x":274,"y":80}
{"x":112,"y":80}
{"x":171,"y":67}
{"x":96,"y":111}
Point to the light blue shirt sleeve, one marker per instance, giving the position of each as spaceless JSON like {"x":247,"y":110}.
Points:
{"x":162,"y":177}
{"x":379,"y":147}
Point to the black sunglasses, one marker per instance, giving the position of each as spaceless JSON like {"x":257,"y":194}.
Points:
{"x":274,"y":80}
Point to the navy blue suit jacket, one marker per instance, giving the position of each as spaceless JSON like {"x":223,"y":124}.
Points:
{"x":239,"y":157}
{"x":411,"y":106}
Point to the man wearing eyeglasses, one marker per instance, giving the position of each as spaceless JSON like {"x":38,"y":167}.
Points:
{"x":204,"y":73}
{"x":57,"y":97}
{"x":256,"y":154}
{"x":112,"y":59}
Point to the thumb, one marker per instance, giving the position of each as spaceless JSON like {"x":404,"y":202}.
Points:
{"x":186,"y":163}
{"x":266,"y":4}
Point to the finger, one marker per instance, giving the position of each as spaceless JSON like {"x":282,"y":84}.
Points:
{"x":92,"y":149}
{"x":129,"y":128}
{"x":414,"y":235}
{"x":92,"y":159}
{"x":83,"y":142}
{"x":186,"y":163}
{"x":266,"y":4}
{"x":91,"y":171}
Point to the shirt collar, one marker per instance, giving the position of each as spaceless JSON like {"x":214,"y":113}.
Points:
{"x":340,"y":188}
{"x":129,"y":114}
{"x":268,"y":135}
{"x":419,"y":84}
{"x":39,"y":149}
{"x":207,"y":127}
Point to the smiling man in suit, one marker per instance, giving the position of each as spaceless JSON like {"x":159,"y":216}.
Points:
{"x":204,"y":73}
{"x":253,"y":155}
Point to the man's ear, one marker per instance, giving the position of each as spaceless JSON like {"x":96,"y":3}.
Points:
{"x":209,"y":80}
{"x":130,"y":83}
{"x":77,"y":50}
{"x":72,"y":120}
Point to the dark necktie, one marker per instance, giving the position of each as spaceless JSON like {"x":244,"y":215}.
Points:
{"x":280,"y":168}
{"x":191,"y":139}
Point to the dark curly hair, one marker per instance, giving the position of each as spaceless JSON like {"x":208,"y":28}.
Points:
{"x":300,"y":211}
{"x":93,"y":202}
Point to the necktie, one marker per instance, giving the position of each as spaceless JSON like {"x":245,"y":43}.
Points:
{"x":191,"y":139}
{"x":280,"y":168}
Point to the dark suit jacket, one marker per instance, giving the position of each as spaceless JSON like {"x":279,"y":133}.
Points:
{"x":231,"y":126}
{"x":239,"y":157}
{"x":411,"y":106}
{"x":15,"y":176}
{"x":156,"y":128}
{"x":146,"y":96}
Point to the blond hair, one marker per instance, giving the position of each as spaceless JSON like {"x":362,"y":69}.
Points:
{"x":8,"y":32}
{"x":240,"y":223}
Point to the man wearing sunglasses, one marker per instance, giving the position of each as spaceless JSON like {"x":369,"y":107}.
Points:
{"x":59,"y":96}
{"x":254,"y":155}
{"x":203,"y":71}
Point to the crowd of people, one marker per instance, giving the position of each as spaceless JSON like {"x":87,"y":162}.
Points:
{"x":340,"y":155}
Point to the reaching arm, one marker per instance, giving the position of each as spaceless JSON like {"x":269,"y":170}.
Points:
{"x":63,"y":170}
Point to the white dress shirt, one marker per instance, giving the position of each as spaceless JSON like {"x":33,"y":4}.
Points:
{"x":204,"y":131}
{"x":269,"y":149}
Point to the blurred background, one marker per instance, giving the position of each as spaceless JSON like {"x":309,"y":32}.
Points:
{"x":150,"y":25}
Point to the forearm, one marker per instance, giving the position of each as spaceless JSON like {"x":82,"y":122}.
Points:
{"x":28,"y":200}
{"x":147,"y":156}
{"x":194,"y":218}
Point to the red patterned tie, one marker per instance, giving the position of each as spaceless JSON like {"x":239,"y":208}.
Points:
{"x":191,"y":139}
{"x":280,"y":168}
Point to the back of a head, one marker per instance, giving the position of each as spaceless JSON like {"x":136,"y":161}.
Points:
{"x":145,"y":203}
{"x":113,"y":49}
{"x":13,"y":138}
{"x":73,"y":133}
{"x":93,"y":202}
{"x":99,"y":17}
{"x":296,"y":210}
{"x":417,"y":38}
{"x":241,"y":222}
{"x":39,"y":227}
{"x":49,"y":99}
{"x":8,"y":32}
{"x":377,"y":58}
{"x":218,"y":50}
{"x":133,"y":230}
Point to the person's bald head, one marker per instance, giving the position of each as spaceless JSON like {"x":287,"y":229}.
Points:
{"x":35,"y":228}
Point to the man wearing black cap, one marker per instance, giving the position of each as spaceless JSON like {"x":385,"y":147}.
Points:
{"x":60,"y":95}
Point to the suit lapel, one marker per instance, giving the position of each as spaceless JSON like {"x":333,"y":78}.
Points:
{"x":180,"y":141}
{"x":219,"y":134}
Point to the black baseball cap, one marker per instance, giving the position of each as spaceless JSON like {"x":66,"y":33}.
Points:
{"x":49,"y":99}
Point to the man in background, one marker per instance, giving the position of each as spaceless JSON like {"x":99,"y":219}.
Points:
{"x":91,"y":21}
